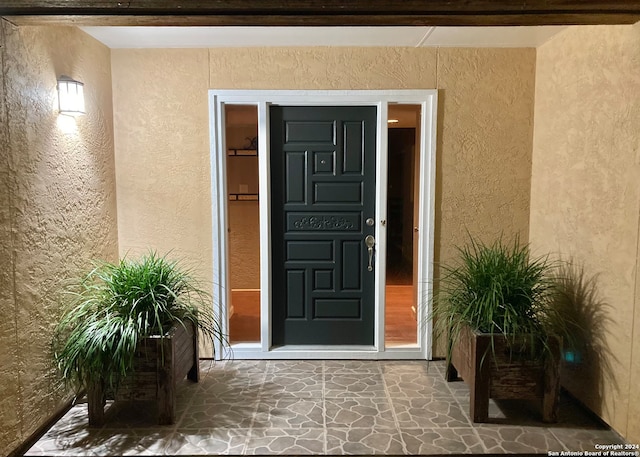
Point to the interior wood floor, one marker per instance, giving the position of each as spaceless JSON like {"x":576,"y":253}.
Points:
{"x":400,"y":320}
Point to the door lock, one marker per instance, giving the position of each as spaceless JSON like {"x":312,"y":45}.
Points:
{"x":369,"y":221}
{"x":370,"y":242}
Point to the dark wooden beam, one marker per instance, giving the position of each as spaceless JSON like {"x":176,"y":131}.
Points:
{"x":321,"y":12}
{"x":343,"y":20}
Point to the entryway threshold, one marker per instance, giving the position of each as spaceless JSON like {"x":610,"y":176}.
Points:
{"x":252,"y":351}
{"x":320,"y":348}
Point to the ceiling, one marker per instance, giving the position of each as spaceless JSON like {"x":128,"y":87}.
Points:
{"x":209,"y":37}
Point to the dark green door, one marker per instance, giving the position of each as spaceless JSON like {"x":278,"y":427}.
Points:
{"x":322,"y":193}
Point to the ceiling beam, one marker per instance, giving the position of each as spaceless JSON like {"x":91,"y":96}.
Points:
{"x":321,"y":12}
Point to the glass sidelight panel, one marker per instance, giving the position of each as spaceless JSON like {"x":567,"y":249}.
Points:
{"x":241,"y":138}
{"x":401,"y":326}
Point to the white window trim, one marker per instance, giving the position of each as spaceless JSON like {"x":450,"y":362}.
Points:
{"x":262,"y":99}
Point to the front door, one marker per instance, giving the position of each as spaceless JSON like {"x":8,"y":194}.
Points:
{"x":322,"y":209}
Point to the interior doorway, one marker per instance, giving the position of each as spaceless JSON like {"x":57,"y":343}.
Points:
{"x":241,"y":138}
{"x":401,"y":316}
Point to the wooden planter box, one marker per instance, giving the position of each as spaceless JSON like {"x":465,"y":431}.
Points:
{"x":160,"y":363}
{"x":504,"y":376}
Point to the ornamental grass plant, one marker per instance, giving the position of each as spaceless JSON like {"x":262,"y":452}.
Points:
{"x":499,"y":289}
{"x":113,"y":307}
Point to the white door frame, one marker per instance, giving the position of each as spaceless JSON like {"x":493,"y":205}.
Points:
{"x":262,"y":99}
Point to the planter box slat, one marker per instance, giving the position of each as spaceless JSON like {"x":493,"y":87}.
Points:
{"x":516,"y":379}
{"x":183,"y":352}
{"x":184,"y":363}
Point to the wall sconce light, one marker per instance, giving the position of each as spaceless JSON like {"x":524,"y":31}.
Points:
{"x":70,"y":96}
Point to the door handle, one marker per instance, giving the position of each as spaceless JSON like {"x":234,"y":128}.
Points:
{"x":370,"y":242}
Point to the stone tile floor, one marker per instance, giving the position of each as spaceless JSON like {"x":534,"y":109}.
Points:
{"x":323,"y":407}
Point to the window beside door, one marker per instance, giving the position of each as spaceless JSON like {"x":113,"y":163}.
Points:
{"x":401,"y":326}
{"x":241,"y":139}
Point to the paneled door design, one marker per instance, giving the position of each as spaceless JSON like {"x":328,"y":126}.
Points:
{"x":322,"y":162}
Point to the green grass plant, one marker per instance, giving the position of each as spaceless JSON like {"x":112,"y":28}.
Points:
{"x":498,"y":288}
{"x":113,"y":307}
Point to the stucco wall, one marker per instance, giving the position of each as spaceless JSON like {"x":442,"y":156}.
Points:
{"x":162,"y":142}
{"x":162,"y":154}
{"x":484,"y":147}
{"x":57,"y":206}
{"x":585,"y":195}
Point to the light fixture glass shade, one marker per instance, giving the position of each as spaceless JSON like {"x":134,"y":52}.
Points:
{"x":70,"y":96}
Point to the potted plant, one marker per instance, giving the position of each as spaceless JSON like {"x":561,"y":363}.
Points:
{"x":496,"y":306}
{"x":130,"y":330}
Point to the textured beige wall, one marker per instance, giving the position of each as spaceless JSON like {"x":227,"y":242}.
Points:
{"x":57,"y":206}
{"x":585,"y":196}
{"x":162,"y":154}
{"x":323,"y":68}
{"x":9,"y":380}
{"x":484,"y":145}
{"x":162,"y":144}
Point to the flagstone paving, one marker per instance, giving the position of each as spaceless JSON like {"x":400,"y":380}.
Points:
{"x":323,"y":407}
